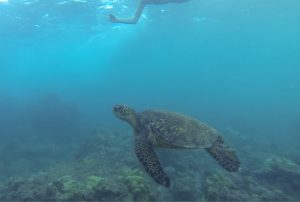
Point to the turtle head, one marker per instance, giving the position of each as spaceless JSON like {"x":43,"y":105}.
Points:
{"x":125,"y":113}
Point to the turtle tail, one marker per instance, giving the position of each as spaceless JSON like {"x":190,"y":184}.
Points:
{"x":224,"y":155}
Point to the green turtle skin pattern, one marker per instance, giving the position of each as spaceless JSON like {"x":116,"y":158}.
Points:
{"x":173,"y":130}
{"x":146,"y":155}
{"x":224,"y":155}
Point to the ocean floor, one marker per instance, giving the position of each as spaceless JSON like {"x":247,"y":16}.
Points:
{"x":103,"y":167}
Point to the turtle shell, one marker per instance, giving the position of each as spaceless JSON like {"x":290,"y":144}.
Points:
{"x":177,"y":130}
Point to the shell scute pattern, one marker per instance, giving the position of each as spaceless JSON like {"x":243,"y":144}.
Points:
{"x":163,"y":129}
{"x":178,"y":130}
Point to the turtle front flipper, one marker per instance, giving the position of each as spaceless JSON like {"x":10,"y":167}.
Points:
{"x":145,"y":153}
{"x":224,"y":155}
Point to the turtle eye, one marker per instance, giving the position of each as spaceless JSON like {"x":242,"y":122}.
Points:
{"x":117,"y":108}
{"x":121,"y":109}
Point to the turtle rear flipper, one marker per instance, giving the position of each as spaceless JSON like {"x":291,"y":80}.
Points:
{"x":145,"y":153}
{"x":224,"y":155}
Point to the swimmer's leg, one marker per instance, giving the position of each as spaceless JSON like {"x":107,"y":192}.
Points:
{"x":136,"y":16}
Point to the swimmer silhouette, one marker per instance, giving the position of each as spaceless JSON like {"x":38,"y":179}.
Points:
{"x":140,"y":9}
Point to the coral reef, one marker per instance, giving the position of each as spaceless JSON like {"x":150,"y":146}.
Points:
{"x":220,"y":186}
{"x":19,"y":189}
{"x":281,"y":167}
{"x":186,"y":188}
{"x":131,"y":186}
{"x":63,"y":189}
{"x":105,"y":168}
{"x":137,"y":185}
{"x":282,"y":173}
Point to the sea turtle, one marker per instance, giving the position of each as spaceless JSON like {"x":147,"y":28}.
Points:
{"x":164,"y":129}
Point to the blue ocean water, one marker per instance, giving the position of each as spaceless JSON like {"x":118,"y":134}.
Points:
{"x":232,"y":64}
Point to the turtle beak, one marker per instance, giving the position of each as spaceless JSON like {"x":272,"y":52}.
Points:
{"x":117,"y":110}
{"x":116,"y":107}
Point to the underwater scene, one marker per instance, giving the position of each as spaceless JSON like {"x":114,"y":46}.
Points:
{"x":149,"y":100}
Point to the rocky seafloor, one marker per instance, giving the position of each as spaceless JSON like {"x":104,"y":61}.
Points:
{"x":103,"y":167}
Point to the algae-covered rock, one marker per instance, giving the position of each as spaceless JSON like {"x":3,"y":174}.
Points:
{"x":281,"y":165}
{"x":137,"y":186}
{"x":68,"y":189}
{"x":65,"y":188}
{"x":220,"y":186}
{"x":19,"y":189}
{"x":107,"y":192}
{"x":186,"y":188}
{"x":282,"y":173}
{"x":93,"y":182}
{"x":99,"y":189}
{"x":93,"y":188}
{"x":217,"y":187}
{"x":106,"y":150}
